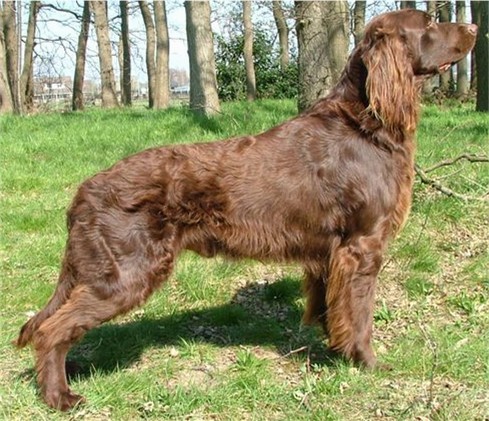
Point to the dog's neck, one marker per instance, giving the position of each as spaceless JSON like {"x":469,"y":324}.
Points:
{"x":349,"y":100}
{"x":351,"y":87}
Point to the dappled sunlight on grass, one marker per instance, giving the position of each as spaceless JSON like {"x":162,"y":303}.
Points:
{"x":223,"y":339}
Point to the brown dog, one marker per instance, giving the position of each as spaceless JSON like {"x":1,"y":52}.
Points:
{"x":326,"y":189}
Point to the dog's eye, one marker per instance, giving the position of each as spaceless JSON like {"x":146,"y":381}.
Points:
{"x":427,"y":40}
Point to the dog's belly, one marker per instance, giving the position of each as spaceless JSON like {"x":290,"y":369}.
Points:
{"x":261,"y":243}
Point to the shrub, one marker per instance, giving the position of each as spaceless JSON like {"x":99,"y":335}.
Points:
{"x":271,"y":81}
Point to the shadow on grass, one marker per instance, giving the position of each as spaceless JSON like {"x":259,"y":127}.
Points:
{"x":265,"y":314}
{"x":210,"y":124}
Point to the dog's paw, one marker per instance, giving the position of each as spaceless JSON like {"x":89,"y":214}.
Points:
{"x":383,"y":367}
{"x":63,"y":401}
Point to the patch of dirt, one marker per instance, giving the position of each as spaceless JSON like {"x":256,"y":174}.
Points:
{"x":251,"y":296}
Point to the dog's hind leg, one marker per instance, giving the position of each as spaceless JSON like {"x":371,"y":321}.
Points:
{"x":106,"y":287}
{"x":350,"y":298}
{"x":314,"y":287}
{"x":61,"y":294}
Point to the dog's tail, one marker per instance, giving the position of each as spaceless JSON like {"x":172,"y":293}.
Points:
{"x":61,"y":294}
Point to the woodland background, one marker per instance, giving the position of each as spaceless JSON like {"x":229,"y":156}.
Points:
{"x":223,"y":340}
{"x":236,"y":50}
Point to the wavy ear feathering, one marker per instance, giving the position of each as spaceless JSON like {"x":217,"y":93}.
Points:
{"x":391,"y":86}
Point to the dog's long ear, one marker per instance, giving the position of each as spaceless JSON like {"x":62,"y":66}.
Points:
{"x":390,"y":86}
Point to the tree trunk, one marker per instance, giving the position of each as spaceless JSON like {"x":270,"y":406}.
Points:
{"x":12,"y":53}
{"x":203,"y":84}
{"x":162,"y":82}
{"x":408,"y":4}
{"x":475,"y":13}
{"x":473,"y":71}
{"x":120,"y":60}
{"x":26,"y":76}
{"x":283,"y":33}
{"x":481,"y":54}
{"x":462,"y":65}
{"x":322,"y":34}
{"x":109,"y":98}
{"x":6,"y":105}
{"x":126,"y":91}
{"x":429,"y":83}
{"x":150,"y":50}
{"x":359,"y":20}
{"x":79,"y":77}
{"x":431,"y":7}
{"x":248,"y":52}
{"x":445,"y":13}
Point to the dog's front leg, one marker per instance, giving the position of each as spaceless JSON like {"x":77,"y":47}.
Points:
{"x":350,"y":297}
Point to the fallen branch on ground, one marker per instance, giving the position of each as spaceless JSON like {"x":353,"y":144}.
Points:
{"x":423,"y":175}
{"x":446,"y":162}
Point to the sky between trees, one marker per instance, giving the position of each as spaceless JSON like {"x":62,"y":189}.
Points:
{"x":58,"y":32}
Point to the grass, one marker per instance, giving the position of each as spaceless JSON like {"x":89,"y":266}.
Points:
{"x":223,"y":340}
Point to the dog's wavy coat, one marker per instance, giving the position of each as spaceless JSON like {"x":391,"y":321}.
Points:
{"x":327,"y":189}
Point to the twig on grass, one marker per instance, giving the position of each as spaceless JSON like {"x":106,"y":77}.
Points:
{"x":295,"y":351}
{"x":446,"y":162}
{"x":423,"y":173}
{"x":440,"y":187}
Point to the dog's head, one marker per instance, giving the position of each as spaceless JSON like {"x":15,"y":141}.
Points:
{"x":402,"y":48}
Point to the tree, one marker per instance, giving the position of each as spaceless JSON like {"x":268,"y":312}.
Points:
{"x":283,"y":32}
{"x":431,"y":7}
{"x":431,"y":10}
{"x":203,"y":84}
{"x":444,"y":15}
{"x":12,"y":53}
{"x":26,"y":79}
{"x":322,"y":35}
{"x":480,"y":16}
{"x":462,"y":68}
{"x":475,"y":12}
{"x":150,"y":50}
{"x":6,"y":104}
{"x":359,"y":20}
{"x":125,"y":66}
{"x":16,"y":86}
{"x":408,"y":4}
{"x":157,"y":54}
{"x":162,"y":83}
{"x":109,"y":98}
{"x":79,"y":77}
{"x":248,"y":52}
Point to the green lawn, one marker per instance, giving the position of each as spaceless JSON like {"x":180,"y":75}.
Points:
{"x":223,"y":340}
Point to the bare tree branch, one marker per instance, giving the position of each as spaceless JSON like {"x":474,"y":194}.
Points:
{"x":62,"y":9}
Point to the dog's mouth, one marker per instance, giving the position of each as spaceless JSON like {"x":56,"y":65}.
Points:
{"x":444,"y":67}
